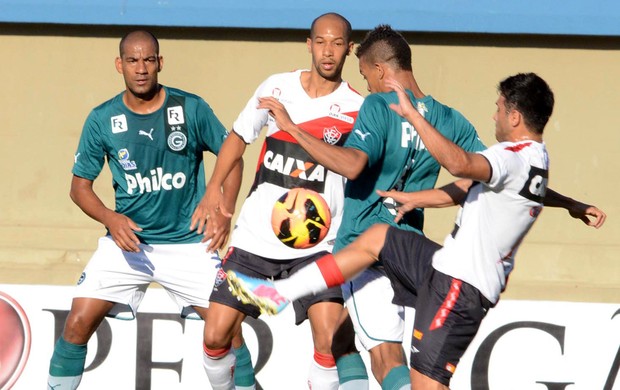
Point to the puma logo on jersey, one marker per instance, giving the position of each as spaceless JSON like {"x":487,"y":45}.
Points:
{"x":158,"y":181}
{"x":75,"y":158}
{"x":361,"y":135}
{"x":148,"y":134}
{"x":293,"y":167}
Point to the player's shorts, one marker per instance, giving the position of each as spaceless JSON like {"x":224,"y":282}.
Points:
{"x":375,"y":318}
{"x":261,"y":267}
{"x":185,"y":271}
{"x":375,"y":304}
{"x":448,"y":311}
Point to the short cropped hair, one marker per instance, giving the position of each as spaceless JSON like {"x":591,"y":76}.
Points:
{"x":131,"y":34}
{"x":348,"y":31}
{"x":385,"y":45}
{"x":529,"y":94}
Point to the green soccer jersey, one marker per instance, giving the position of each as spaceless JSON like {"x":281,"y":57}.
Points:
{"x":156,"y":161}
{"x":397,"y":159}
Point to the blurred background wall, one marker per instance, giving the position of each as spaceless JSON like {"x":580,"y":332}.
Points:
{"x":55,"y":71}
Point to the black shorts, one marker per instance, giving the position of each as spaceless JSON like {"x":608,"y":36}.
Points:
{"x":448,"y":311}
{"x":261,"y":267}
{"x":407,"y":259}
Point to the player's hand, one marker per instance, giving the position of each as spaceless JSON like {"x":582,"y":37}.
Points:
{"x":404,"y":107}
{"x":277,"y":111}
{"x":403,"y":202}
{"x":212,"y":219}
{"x":590,"y":215}
{"x":122,"y":230}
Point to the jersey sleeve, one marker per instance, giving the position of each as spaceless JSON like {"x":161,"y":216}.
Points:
{"x":211,"y":130}
{"x":251,"y":120}
{"x":90,"y":155}
{"x":499,"y":161}
{"x":368,"y":133}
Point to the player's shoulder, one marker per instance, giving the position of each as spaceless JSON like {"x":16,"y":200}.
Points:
{"x":171,"y":91}
{"x":112,"y":106}
{"x":284,"y":76}
{"x":378,"y":98}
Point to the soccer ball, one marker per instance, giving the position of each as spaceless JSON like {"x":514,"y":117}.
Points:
{"x":301,"y":218}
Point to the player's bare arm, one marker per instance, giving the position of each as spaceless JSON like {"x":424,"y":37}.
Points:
{"x":589,"y":214}
{"x":218,"y":225}
{"x":221,"y":193}
{"x":348,"y":162}
{"x":446,"y":196}
{"x":121,"y":227}
{"x":456,"y":160}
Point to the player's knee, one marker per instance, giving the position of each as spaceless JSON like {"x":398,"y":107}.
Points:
{"x":217,"y":337}
{"x":79,"y":327}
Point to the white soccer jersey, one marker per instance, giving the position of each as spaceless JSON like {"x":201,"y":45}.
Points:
{"x":283,"y":164}
{"x":495,"y":217}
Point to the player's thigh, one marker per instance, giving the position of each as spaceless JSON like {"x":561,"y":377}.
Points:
{"x":85,"y":316}
{"x":187,"y":272}
{"x":222,"y":324}
{"x":375,"y":318}
{"x":114,"y":275}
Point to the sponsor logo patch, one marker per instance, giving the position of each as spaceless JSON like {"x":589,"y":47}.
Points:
{"x":175,"y":115}
{"x":123,"y":159}
{"x":119,"y":124}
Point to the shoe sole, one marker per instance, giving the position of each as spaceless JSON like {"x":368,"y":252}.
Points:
{"x":238,"y":288}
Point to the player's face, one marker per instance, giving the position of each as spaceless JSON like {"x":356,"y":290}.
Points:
{"x":502,"y":120}
{"x":372,"y":76}
{"x":139,"y":66}
{"x":329,"y":48}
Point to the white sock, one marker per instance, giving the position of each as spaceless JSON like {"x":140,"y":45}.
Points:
{"x":322,"y":378}
{"x":220,"y":370}
{"x":356,"y":384}
{"x":308,"y":280}
{"x":63,"y":382}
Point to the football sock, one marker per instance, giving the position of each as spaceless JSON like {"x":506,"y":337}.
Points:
{"x":352,"y":372}
{"x":397,"y":379}
{"x":244,"y":372}
{"x":323,"y":374}
{"x":67,"y":364}
{"x":219,"y":365}
{"x":311,"y":279}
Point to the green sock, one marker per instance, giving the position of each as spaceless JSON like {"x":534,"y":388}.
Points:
{"x":68,"y":359}
{"x":396,"y":379}
{"x":351,"y":367}
{"x":244,"y":372}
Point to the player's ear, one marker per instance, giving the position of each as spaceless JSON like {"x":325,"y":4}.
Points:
{"x":118,"y":63}
{"x":380,"y":70}
{"x":309,"y":44}
{"x":160,"y":63}
{"x":515,"y":118}
{"x":350,"y":50}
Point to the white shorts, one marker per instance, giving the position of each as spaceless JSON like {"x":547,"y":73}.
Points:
{"x":375,"y":318}
{"x":186,"y":271}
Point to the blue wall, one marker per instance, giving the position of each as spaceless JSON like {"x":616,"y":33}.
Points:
{"x":558,"y":17}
